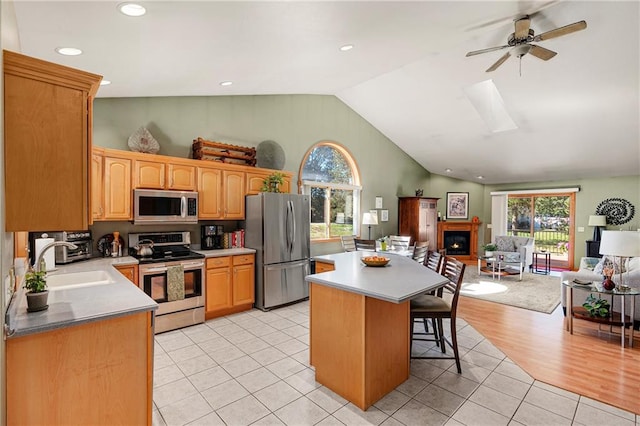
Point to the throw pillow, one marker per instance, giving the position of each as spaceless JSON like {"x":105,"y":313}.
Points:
{"x":608,"y":262}
{"x":589,"y":263}
{"x":512,"y":257}
{"x":504,"y":244}
{"x":633,"y":264}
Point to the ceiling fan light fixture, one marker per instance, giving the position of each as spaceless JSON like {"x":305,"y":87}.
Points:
{"x":520,"y":50}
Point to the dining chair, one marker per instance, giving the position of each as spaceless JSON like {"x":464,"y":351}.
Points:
{"x":420,"y":252}
{"x":348,"y":242}
{"x":399,"y":242}
{"x":365,"y":245}
{"x":436,"y":307}
{"x":434,"y":261}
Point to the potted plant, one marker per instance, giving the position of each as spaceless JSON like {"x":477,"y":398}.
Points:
{"x":596,"y":307}
{"x":489,"y":249}
{"x":37,"y":294}
{"x":272,"y":182}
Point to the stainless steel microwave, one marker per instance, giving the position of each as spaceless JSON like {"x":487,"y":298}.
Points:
{"x":151,"y":206}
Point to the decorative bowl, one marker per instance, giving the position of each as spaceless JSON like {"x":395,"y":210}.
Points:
{"x":375,"y":260}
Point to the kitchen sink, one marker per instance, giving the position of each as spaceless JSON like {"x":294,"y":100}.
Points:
{"x":77,"y":279}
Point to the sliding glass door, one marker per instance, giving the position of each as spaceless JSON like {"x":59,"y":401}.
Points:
{"x":548,"y":218}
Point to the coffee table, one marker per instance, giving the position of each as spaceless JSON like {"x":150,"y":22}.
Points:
{"x":497,"y":267}
{"x":615,"y":318}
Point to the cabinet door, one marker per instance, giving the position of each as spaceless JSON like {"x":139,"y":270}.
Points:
{"x":181,"y":177}
{"x":129,"y":271}
{"x":243,"y":288}
{"x":149,"y":174}
{"x":219,"y":290}
{"x":233,"y":193}
{"x":255,"y":180}
{"x":97,"y":186}
{"x":117,"y":188}
{"x":209,"y":193}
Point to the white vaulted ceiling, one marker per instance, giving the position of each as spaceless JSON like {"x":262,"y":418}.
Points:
{"x":577,"y":114}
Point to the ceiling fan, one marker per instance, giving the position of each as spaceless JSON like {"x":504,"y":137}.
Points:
{"x":520,"y":41}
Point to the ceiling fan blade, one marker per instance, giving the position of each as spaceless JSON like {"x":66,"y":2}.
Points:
{"x":567,"y":29}
{"x":490,"y":49}
{"x":542,"y":53}
{"x":500,"y":62}
{"x":522,"y":28}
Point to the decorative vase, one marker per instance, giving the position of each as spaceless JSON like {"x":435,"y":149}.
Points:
{"x":607,"y":284}
{"x":488,"y":254}
{"x":37,"y":301}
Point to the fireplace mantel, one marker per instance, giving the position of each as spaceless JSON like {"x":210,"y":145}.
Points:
{"x":472,"y":227}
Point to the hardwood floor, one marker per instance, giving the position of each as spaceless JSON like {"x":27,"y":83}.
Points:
{"x":589,"y":362}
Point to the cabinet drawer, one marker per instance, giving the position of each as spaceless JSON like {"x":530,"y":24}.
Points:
{"x":324,"y":267}
{"x":218,"y":262}
{"x":243,"y":259}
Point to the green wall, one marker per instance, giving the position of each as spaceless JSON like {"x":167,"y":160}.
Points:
{"x":296,"y":122}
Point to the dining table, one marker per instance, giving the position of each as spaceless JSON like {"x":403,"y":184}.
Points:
{"x":360,"y":322}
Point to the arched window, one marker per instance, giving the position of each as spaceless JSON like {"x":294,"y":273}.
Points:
{"x":330,"y":176}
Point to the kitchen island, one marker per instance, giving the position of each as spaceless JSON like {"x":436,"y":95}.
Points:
{"x":359,"y":323}
{"x":88,"y":358}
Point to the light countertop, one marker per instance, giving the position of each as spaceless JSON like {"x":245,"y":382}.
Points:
{"x":78,"y":305}
{"x":226,"y":252}
{"x":400,"y":280}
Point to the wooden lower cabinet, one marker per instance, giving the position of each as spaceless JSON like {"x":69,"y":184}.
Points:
{"x":324,"y":267}
{"x":98,"y":373}
{"x":230,"y":285}
{"x":129,"y":271}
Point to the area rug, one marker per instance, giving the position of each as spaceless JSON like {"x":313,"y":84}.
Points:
{"x":535,"y":292}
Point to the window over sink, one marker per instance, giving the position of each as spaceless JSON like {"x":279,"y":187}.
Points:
{"x":330,"y":176}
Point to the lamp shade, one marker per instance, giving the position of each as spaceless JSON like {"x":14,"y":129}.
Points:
{"x":620,"y":243}
{"x":369,"y":219}
{"x":597,"y":220}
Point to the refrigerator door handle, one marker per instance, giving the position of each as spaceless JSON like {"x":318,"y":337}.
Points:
{"x":293,"y":225}
{"x":287,"y":232}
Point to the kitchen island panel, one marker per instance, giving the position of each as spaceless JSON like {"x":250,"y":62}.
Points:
{"x":359,"y":344}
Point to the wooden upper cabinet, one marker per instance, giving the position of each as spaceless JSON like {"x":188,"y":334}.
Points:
{"x":47,"y":144}
{"x":97,"y":185}
{"x":181,"y":177}
{"x":117,"y":188}
{"x":233,"y":191}
{"x":255,"y":180}
{"x":209,"y":193}
{"x":149,"y":174}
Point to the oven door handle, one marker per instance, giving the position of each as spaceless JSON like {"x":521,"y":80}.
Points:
{"x":161,"y":269}
{"x":193,"y":265}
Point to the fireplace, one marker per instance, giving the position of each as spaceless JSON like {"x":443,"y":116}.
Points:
{"x":459,"y":239}
{"x":457,"y":243}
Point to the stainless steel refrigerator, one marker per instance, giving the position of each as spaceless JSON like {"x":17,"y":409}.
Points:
{"x":277,"y":227}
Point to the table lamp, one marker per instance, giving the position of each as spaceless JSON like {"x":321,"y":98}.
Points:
{"x":369,"y":219}
{"x":620,"y":244}
{"x":597,"y":221}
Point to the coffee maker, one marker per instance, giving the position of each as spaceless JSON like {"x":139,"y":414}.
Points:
{"x":212,"y":237}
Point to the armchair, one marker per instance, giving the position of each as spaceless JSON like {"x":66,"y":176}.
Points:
{"x":515,"y":249}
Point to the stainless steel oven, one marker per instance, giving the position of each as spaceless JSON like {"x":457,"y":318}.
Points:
{"x":178,"y":313}
{"x":171,"y":249}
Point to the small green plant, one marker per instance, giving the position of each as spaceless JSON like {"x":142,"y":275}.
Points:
{"x":490,"y":247}
{"x":35,"y":282}
{"x":272,"y":182}
{"x":596,"y":307}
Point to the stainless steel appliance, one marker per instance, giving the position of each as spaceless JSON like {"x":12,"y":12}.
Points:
{"x":171,"y":249}
{"x":63,"y":254}
{"x":212,"y":237}
{"x":277,"y":227}
{"x":151,"y":206}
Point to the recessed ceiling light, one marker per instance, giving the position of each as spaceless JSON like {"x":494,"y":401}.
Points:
{"x":448,"y":170}
{"x":105,"y":82}
{"x":68,"y":51}
{"x":346,"y":47}
{"x":226,"y":83}
{"x":480,"y":177}
{"x":132,"y":9}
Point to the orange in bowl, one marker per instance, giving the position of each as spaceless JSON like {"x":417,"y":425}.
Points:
{"x":375,"y":260}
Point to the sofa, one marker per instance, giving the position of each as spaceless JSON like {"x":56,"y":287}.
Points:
{"x":591,"y":270}
{"x":515,"y":249}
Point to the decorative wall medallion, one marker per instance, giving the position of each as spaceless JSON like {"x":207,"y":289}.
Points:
{"x":618,"y":210}
{"x":142,"y":141}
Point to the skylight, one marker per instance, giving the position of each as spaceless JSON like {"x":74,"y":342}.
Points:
{"x":487,"y":101}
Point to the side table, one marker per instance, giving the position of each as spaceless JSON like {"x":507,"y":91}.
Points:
{"x":538,"y":266}
{"x":615,"y":318}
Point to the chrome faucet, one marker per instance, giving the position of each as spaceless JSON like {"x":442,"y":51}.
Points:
{"x":47,"y":247}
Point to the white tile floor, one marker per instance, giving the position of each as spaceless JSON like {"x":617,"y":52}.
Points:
{"x":253,"y":368}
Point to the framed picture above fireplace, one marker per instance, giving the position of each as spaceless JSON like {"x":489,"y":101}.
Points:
{"x":457,"y":205}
